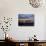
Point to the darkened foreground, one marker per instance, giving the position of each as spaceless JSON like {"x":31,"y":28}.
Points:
{"x":26,"y":24}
